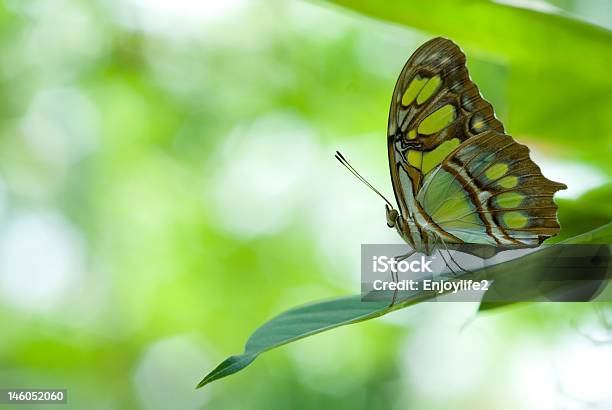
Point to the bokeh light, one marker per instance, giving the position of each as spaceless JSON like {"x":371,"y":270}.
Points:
{"x":168,"y":183}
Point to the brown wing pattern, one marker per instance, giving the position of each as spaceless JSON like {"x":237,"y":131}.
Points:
{"x":435,"y":107}
{"x":490,"y":185}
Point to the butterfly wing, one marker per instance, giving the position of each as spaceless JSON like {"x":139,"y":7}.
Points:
{"x":488,"y":191}
{"x":435,"y":107}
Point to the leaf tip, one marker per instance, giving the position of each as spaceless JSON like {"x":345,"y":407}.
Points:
{"x":203,"y":383}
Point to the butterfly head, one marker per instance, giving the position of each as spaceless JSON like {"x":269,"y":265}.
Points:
{"x":410,"y":232}
{"x":392,"y":216}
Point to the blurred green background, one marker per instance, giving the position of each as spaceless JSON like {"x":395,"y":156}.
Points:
{"x":167,"y":183}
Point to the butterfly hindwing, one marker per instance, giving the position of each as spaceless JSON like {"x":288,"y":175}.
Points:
{"x":489,"y":191}
{"x":435,"y":107}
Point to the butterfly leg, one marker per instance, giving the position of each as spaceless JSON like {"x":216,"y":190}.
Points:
{"x":464,"y":270}
{"x":438,"y":238}
{"x":395,"y":275}
{"x":448,"y":265}
{"x":451,"y":258}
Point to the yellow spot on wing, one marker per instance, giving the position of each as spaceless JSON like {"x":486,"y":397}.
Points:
{"x":496,"y":171}
{"x":437,"y":120}
{"x":433,"y":158}
{"x":514,"y":220}
{"x":509,"y":199}
{"x":415,"y":158}
{"x":429,"y":89}
{"x":413,"y":90}
{"x":411,"y":134}
{"x":508,"y":182}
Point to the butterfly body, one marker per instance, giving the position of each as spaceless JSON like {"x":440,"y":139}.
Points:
{"x":457,"y":177}
{"x":423,"y":238}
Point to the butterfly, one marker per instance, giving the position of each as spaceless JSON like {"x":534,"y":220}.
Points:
{"x":459,"y":180}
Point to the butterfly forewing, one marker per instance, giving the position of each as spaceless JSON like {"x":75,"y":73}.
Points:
{"x":435,"y":107}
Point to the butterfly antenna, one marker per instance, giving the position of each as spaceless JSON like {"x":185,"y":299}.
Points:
{"x":348,"y":166}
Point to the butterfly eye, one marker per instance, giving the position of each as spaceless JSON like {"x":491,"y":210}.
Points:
{"x":392,"y":215}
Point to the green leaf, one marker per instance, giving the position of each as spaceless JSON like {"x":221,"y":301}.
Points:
{"x":554,"y":62}
{"x":296,"y":324}
{"x":525,"y":283}
{"x":229,"y":366}
{"x":602,"y":234}
{"x":318,"y":317}
{"x":527,"y":34}
{"x":592,"y":209}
